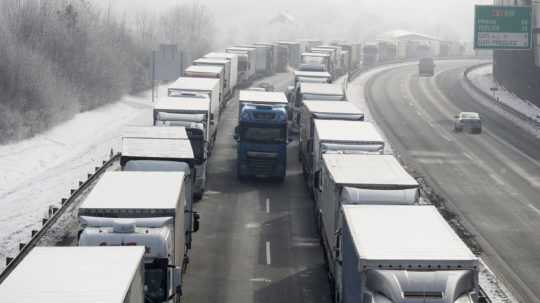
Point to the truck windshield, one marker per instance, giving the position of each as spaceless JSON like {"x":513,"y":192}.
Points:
{"x":155,"y":280}
{"x":264,"y":134}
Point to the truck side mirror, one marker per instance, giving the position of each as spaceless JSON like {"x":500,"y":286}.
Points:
{"x":196,"y":221}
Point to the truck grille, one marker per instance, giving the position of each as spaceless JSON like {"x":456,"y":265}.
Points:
{"x":261,"y":166}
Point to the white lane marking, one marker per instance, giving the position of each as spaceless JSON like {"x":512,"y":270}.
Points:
{"x":536,"y":210}
{"x":468,"y":156}
{"x":268,"y":257}
{"x":497,"y":179}
{"x":267,"y":205}
{"x":263,"y":280}
{"x":252,"y":225}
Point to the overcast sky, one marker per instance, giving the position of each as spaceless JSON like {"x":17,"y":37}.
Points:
{"x":328,"y":19}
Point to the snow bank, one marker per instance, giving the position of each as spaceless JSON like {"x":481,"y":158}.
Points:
{"x":482,"y":78}
{"x":39,"y":171}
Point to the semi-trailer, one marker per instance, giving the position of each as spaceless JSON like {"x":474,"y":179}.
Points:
{"x":79,"y":274}
{"x":370,"y":54}
{"x":426,"y":67}
{"x":353,"y":179}
{"x":312,"y":91}
{"x":293,"y":52}
{"x":323,"y":59}
{"x":336,"y":52}
{"x":233,"y":70}
{"x":157,"y":197}
{"x":194,"y":115}
{"x":211,"y":68}
{"x":263,"y":64}
{"x":339,"y":136}
{"x":247,"y":63}
{"x":321,"y":110}
{"x":165,"y":149}
{"x":262,"y":135}
{"x":273,"y":49}
{"x":310,"y":77}
{"x":185,"y":87}
{"x":401,"y":253}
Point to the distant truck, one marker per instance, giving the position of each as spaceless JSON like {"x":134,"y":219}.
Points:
{"x":208,"y":70}
{"x":233,"y":71}
{"x":247,"y":63}
{"x":319,"y":58}
{"x":293,"y":52}
{"x":339,"y":136}
{"x":263,"y":65}
{"x":262,"y":135}
{"x":78,"y":274}
{"x":142,"y":200}
{"x":194,"y":114}
{"x":426,"y":67}
{"x":185,"y":87}
{"x":311,"y":77}
{"x":370,"y":54}
{"x":396,"y":254}
{"x":321,"y":110}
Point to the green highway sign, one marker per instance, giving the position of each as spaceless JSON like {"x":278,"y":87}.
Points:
{"x":502,"y":27}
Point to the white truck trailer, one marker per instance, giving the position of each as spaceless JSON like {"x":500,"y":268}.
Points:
{"x":165,"y":149}
{"x":77,"y":274}
{"x":233,"y":71}
{"x":398,"y":254}
{"x":145,"y":196}
{"x":210,"y":71}
{"x":263,"y":65}
{"x":340,"y":136}
{"x":321,"y":110}
{"x":273,"y":55}
{"x":322,"y":59}
{"x":311,"y":77}
{"x":312,"y":91}
{"x":194,"y":114}
{"x":185,"y":87}
{"x":247,"y":62}
{"x":214,"y":62}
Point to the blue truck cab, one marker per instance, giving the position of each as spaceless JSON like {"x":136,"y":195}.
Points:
{"x":262,"y":135}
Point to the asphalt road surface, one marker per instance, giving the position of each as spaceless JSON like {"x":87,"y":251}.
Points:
{"x":491,"y":180}
{"x":257,"y":241}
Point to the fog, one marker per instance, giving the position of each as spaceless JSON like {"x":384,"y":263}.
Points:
{"x":247,"y":20}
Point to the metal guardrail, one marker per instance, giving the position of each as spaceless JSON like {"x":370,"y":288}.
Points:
{"x":54,"y":214}
{"x":488,"y":96}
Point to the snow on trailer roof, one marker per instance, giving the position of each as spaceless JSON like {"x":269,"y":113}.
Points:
{"x":154,"y":132}
{"x":368,"y":171}
{"x":302,"y":73}
{"x":262,"y":97}
{"x":183,"y":105}
{"x":168,"y":148}
{"x":195,"y":84}
{"x":207,"y":69}
{"x":135,"y":191}
{"x":322,"y":89}
{"x":332,"y":107}
{"x":347,"y":131}
{"x":73,"y":274}
{"x":390,"y":235}
{"x":243,"y":49}
{"x":210,"y":61}
{"x":220,"y":55}
{"x":316,"y":54}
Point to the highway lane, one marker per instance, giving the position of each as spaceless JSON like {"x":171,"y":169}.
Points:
{"x":491,"y":180}
{"x":257,"y":241}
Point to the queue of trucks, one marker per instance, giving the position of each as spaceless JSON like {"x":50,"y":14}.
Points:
{"x":136,"y":226}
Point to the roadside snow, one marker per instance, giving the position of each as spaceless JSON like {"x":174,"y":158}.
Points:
{"x":38,"y":172}
{"x":482,"y":78}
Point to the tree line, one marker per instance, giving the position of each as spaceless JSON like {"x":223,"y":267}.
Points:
{"x":62,"y":57}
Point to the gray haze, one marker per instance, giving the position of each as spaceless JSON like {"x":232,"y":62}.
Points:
{"x":246,"y":20}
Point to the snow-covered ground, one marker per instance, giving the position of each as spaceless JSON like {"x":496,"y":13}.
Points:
{"x":482,"y":78}
{"x":38,"y":172}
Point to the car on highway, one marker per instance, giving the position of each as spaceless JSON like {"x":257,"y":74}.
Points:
{"x":468,"y":121}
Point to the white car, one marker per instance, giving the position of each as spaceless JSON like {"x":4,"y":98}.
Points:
{"x":468,"y":121}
